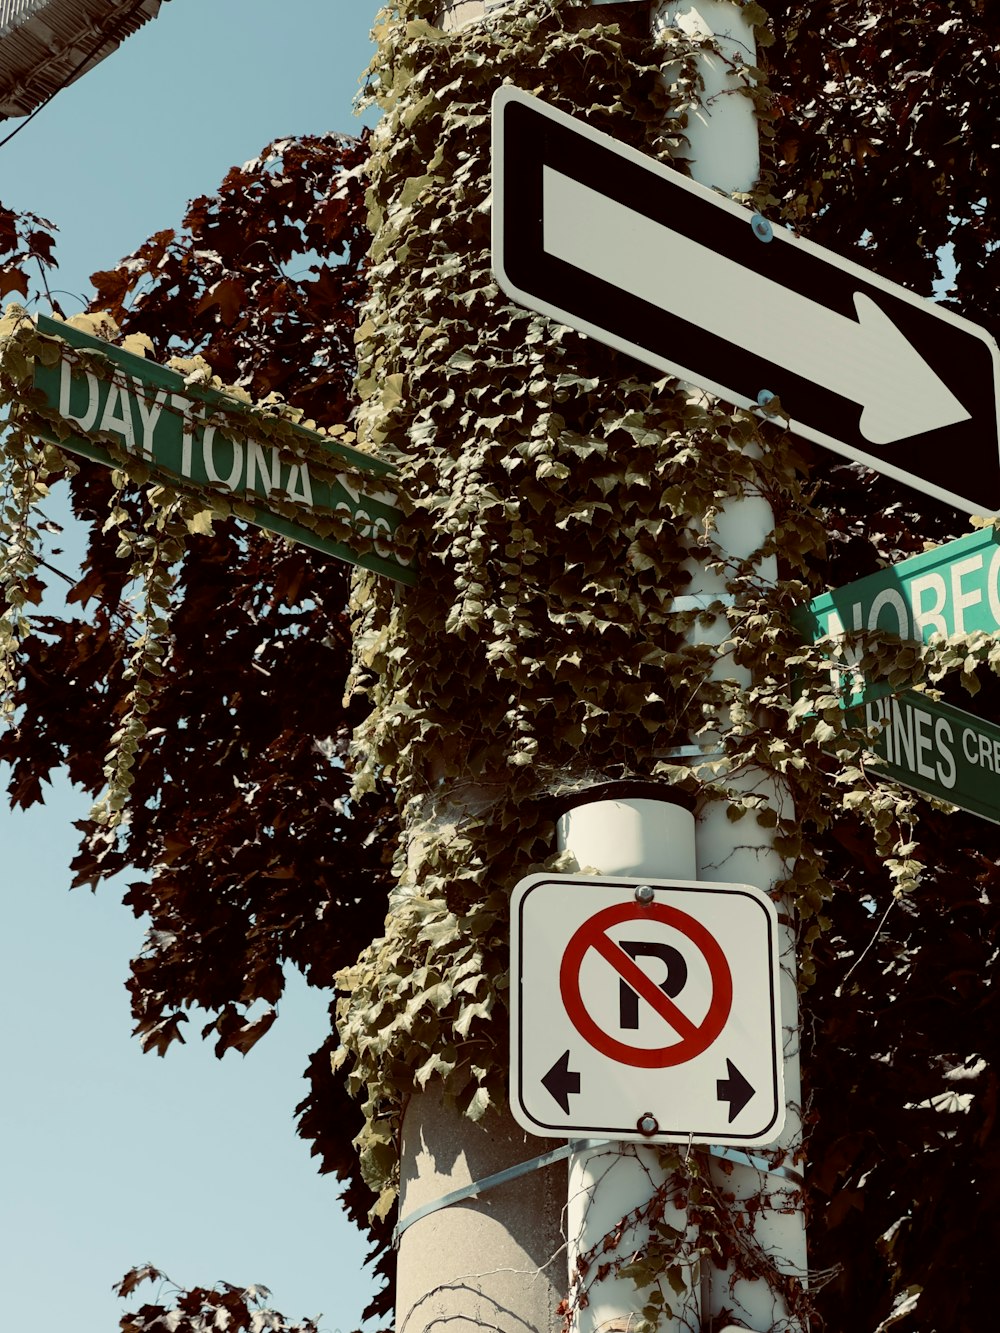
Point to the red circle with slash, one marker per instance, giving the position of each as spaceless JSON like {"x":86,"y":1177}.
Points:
{"x":694,"y":1037}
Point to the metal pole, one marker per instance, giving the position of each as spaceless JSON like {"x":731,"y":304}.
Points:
{"x":724,"y":153}
{"x":488,"y":1261}
{"x":622,"y":829}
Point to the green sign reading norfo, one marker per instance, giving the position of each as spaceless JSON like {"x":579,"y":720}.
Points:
{"x":950,"y":589}
{"x":947,"y":590}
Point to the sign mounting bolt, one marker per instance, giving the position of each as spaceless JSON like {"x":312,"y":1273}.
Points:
{"x":647,"y":1124}
{"x":762,"y":229}
{"x":644,"y":894}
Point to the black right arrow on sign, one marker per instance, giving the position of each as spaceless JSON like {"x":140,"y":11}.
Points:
{"x":735,"y":1090}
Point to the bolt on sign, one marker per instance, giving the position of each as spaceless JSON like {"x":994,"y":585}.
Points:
{"x":309,"y":491}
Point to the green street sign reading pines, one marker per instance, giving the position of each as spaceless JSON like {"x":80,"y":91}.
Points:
{"x":937,"y":750}
{"x":149,"y":411}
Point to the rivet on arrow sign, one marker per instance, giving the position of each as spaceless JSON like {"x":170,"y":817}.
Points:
{"x":762,"y":229}
{"x":647,"y":1124}
{"x":644,"y":894}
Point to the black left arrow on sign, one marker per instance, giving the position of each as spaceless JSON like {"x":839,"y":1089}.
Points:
{"x":560,"y":1082}
{"x":735,"y":1090}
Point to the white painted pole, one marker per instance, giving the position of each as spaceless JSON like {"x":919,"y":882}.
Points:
{"x":628,"y":835}
{"x":743,"y":853}
{"x":633,"y":836}
{"x":724,"y":153}
{"x":722,"y":131}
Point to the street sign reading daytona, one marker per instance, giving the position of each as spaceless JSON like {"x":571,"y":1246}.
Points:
{"x":597,"y":235}
{"x":648,"y":1021}
{"x":149,"y":411}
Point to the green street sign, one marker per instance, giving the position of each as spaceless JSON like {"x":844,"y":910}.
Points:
{"x":186,"y":434}
{"x":921,"y":743}
{"x":952,"y":589}
{"x":937,"y":750}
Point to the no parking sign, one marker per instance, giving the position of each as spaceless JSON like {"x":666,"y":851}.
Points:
{"x":645,"y":1010}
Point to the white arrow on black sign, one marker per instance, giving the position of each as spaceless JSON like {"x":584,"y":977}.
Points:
{"x":599,"y":236}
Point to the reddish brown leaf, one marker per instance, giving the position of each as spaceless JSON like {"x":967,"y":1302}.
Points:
{"x":12,"y":280}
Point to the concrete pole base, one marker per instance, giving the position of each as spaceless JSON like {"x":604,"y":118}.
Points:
{"x":489,"y":1263}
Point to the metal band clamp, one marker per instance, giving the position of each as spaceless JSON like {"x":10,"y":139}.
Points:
{"x":476,"y":1187}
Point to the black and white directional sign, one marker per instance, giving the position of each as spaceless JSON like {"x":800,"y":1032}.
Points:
{"x":654,"y":1021}
{"x":599,"y":236}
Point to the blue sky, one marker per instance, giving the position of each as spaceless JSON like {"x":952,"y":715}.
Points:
{"x":110,"y":1157}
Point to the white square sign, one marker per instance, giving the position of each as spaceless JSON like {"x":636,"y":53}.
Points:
{"x":645,"y":1013}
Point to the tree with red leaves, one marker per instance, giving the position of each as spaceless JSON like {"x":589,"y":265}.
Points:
{"x":249,"y":854}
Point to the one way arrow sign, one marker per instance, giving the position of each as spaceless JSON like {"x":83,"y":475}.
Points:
{"x":601,"y":237}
